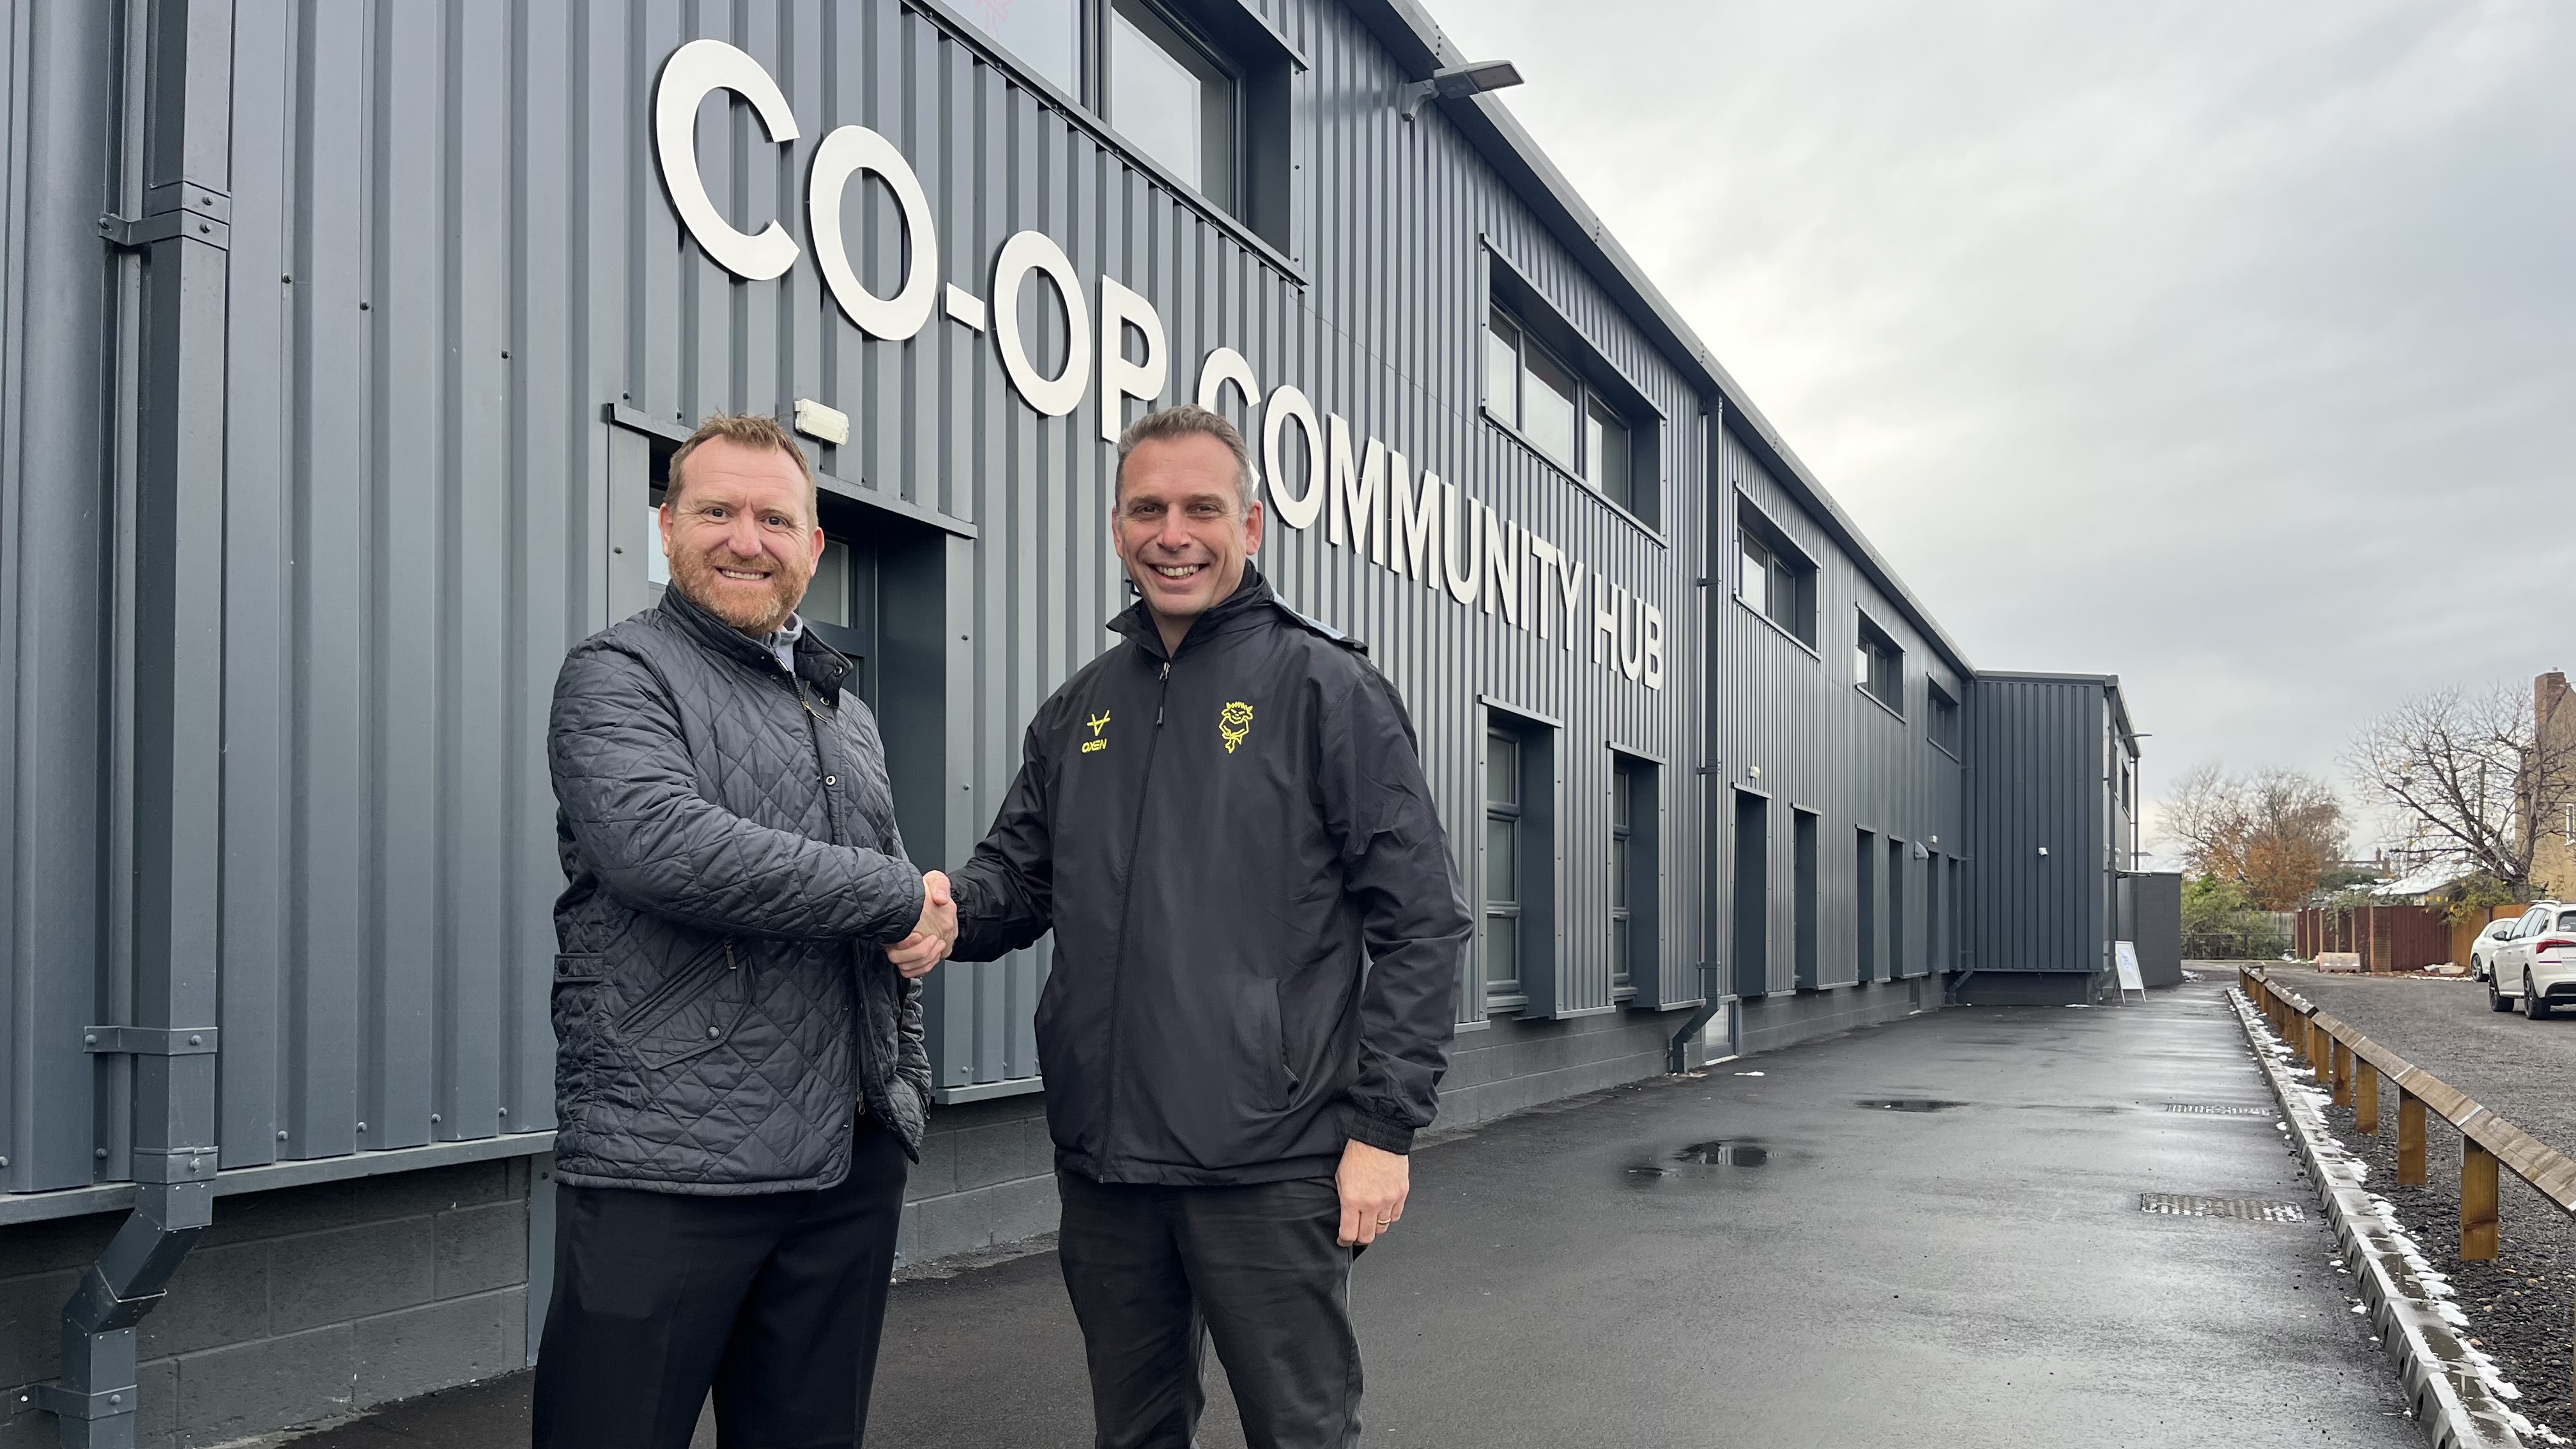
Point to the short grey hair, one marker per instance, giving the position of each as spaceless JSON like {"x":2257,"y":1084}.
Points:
{"x":1185,"y":421}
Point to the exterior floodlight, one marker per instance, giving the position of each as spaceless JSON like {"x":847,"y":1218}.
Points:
{"x":1461,"y":81}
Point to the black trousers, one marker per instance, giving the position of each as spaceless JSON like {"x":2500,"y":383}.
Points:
{"x":1155,"y":1272}
{"x":776,"y":1301}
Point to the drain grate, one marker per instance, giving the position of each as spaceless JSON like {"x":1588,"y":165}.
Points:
{"x":2211,"y":1109}
{"x":2251,"y":1209}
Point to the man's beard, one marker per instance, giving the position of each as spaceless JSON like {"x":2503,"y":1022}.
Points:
{"x":695,"y":576}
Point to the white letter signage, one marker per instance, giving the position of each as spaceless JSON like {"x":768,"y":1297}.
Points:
{"x":847,"y":153}
{"x":694,"y":72}
{"x":1034,"y":251}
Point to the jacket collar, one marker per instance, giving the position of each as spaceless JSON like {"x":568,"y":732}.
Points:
{"x":817,"y":663}
{"x":1240,"y":609}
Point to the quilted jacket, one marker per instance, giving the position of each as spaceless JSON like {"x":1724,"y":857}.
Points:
{"x":722,"y":999}
{"x":1258,"y":930}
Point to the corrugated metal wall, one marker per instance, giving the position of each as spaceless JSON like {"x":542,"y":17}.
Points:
{"x":2037,"y":744}
{"x":450,"y":251}
{"x":60,"y":462}
{"x":1822,"y":745}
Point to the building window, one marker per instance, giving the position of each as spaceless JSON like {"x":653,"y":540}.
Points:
{"x":1879,"y":666}
{"x":1772,"y":577}
{"x":1945,"y":719}
{"x":1045,"y":34}
{"x":1529,"y":390}
{"x":1635,"y":941}
{"x":1171,"y":96}
{"x":1211,"y":113}
{"x":1504,"y":862}
{"x":1896,"y":910}
{"x":1865,"y":876}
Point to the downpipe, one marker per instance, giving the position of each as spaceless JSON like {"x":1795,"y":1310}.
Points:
{"x":95,"y":1403}
{"x":1677,"y":1058}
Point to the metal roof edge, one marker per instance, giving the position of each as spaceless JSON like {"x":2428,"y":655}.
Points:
{"x":1416,"y":41}
{"x":2108,"y":683}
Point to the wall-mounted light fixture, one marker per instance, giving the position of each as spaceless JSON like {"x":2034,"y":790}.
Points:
{"x":2043,"y":850}
{"x":1461,"y":81}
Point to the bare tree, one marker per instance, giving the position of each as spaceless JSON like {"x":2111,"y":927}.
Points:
{"x":2469,"y":775}
{"x":2276,"y":832}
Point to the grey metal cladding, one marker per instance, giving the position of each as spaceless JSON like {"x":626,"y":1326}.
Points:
{"x":59,"y":458}
{"x":2036,"y":747}
{"x":450,"y":248}
{"x":1822,"y":745}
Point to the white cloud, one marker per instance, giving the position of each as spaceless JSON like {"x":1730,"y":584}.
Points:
{"x":2229,"y":349}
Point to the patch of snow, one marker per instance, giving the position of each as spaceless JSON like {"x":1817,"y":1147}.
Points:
{"x":2437,"y":1286}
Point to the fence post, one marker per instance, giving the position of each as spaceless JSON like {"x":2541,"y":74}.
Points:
{"x":2320,"y":1051}
{"x":2365,"y":1098}
{"x":2477,"y":1202}
{"x":2342,"y":1067}
{"x":2410,"y":1139}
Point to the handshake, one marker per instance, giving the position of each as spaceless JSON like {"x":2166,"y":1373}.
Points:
{"x":934,"y":936}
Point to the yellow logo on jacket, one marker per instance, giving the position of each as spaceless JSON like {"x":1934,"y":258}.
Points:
{"x":1234,"y":723}
{"x":1096,"y":743}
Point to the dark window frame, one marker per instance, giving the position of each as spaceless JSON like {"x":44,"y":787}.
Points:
{"x":1516,"y":303}
{"x":1880,"y":662}
{"x":1942,"y":725}
{"x":1635,"y":872}
{"x":1532,"y":991}
{"x":1232,"y":40}
{"x":1789,"y":586}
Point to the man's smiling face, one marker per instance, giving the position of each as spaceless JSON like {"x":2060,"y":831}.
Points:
{"x":740,"y":533}
{"x":1183,"y":529}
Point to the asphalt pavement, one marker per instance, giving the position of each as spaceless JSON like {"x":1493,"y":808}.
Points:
{"x":2519,"y":1302}
{"x":1926,"y":1233}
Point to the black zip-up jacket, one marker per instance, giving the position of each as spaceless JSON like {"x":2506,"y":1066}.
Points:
{"x":723,"y":1001}
{"x":1258,"y":930}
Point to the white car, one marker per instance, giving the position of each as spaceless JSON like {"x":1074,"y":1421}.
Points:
{"x":2482,"y":950}
{"x":2535,"y":965}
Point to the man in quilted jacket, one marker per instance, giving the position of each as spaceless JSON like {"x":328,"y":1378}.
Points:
{"x":740,"y":1080}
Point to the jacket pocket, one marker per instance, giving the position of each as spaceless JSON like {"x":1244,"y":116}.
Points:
{"x":692,"y":1012}
{"x":1268,"y":1047}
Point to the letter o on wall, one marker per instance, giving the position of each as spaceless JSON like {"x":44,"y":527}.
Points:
{"x":853,"y":151}
{"x":1027,"y":252}
{"x":694,"y":72}
{"x":1288,"y":405}
{"x":1224,"y":366}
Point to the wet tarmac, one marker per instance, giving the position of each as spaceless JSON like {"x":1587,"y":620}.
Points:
{"x":1926,"y":1234}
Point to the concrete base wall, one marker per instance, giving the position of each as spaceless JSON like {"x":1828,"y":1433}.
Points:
{"x":2034,"y":988}
{"x":308,"y":1304}
{"x":1769,"y":1023}
{"x":296,"y":1307}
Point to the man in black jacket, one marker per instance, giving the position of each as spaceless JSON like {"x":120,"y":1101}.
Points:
{"x":739,"y":1076}
{"x":1258,"y":938}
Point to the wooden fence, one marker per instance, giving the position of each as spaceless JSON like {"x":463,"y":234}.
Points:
{"x":2350,"y":1066}
{"x":2387,"y":938}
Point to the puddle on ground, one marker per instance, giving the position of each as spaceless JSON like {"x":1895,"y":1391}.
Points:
{"x":1908,"y":1104}
{"x":1692,"y":1160}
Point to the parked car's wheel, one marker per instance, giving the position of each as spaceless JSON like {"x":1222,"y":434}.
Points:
{"x":2532,"y":1006}
{"x":2496,"y":999}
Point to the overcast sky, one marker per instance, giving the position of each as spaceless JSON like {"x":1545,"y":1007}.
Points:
{"x":2227,"y":348}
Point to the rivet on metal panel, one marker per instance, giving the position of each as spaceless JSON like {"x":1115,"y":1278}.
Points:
{"x":433,"y":1117}
{"x":505,"y":1111}
{"x":281,"y":1134}
{"x":362,"y":1126}
{"x":100,"y":1153}
{"x":362,"y":306}
{"x":4,"y":1162}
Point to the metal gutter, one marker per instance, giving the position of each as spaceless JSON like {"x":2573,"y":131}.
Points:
{"x":1417,"y":43}
{"x":104,"y":1197}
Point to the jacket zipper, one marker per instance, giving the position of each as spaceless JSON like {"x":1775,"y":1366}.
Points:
{"x":1126,"y":896}
{"x":861,"y":1035}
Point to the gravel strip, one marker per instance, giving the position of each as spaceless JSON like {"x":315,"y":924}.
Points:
{"x":2521,"y":1306}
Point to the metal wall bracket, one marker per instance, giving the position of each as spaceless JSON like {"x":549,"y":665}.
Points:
{"x":149,"y":1041}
